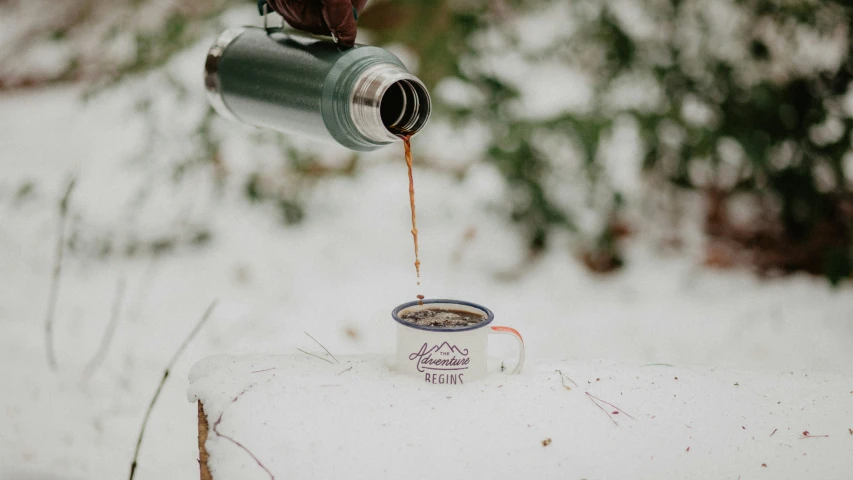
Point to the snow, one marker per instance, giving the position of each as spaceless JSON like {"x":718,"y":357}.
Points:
{"x":339,"y":274}
{"x":306,"y":418}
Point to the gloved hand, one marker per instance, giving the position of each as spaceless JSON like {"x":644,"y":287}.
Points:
{"x":322,"y":17}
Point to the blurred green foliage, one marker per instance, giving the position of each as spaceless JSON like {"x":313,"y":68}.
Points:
{"x":772,"y":120}
{"x":731,"y":99}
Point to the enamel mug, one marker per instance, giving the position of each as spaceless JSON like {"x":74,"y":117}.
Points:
{"x":447,"y":355}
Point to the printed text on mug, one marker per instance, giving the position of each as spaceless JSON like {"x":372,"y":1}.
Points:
{"x":442,"y":364}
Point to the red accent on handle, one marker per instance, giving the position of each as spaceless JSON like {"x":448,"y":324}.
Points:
{"x":509,"y":330}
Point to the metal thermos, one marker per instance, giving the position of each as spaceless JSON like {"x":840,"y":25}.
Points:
{"x":362,"y":97}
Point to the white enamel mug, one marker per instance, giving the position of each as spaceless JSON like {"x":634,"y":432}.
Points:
{"x":447,"y":355}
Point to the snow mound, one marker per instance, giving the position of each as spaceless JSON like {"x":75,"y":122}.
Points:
{"x":303,"y":417}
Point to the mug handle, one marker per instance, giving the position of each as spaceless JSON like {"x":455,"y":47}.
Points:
{"x":514,"y":333}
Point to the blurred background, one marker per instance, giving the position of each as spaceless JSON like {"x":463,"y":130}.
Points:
{"x":621,"y":180}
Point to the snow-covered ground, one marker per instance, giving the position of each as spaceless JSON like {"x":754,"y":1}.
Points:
{"x":305,"y":418}
{"x":336,"y":276}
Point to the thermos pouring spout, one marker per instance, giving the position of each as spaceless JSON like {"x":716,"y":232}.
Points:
{"x":362,"y":97}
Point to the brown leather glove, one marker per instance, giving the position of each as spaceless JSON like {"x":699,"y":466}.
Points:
{"x":322,"y":17}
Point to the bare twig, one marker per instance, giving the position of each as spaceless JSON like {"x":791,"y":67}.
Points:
{"x":315,"y":356}
{"x":563,"y":378}
{"x":814,"y":436}
{"x":774,"y":431}
{"x":324,"y":348}
{"x":264,"y":370}
{"x":602,"y":409}
{"x":53,"y":294}
{"x":614,"y":406}
{"x":235,"y":442}
{"x":345,"y":370}
{"x":99,"y":356}
{"x":169,"y":366}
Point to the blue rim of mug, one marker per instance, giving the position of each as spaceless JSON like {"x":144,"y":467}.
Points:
{"x":396,"y":315}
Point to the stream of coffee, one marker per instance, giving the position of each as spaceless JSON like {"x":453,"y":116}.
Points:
{"x":408,"y":146}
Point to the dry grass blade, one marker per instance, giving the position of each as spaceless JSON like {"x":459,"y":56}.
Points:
{"x":99,"y":356}
{"x":235,"y":442}
{"x":602,"y":409}
{"x":563,"y":378}
{"x":169,"y":367}
{"x":614,"y":406}
{"x":321,"y":346}
{"x":315,"y":356}
{"x":53,"y":295}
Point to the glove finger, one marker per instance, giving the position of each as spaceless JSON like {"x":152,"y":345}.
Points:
{"x":359,"y":5}
{"x":302,"y":15}
{"x":340,"y":20}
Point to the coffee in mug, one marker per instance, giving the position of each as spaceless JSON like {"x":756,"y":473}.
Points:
{"x":445,"y":341}
{"x":442,"y":317}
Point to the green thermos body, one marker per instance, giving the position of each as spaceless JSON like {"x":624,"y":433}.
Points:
{"x":361,"y":97}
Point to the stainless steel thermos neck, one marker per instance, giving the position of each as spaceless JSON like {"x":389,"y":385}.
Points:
{"x":362,"y":97}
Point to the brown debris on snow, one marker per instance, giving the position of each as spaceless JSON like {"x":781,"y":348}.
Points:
{"x":202,"y":439}
{"x":351,"y":333}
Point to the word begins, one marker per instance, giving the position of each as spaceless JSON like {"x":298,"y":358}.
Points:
{"x":444,"y":378}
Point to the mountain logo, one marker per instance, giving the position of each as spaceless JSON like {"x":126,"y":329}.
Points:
{"x":443,"y":356}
